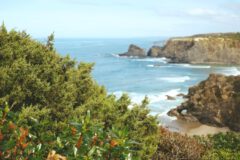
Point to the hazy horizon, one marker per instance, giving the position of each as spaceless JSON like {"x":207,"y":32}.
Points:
{"x":120,"y":18}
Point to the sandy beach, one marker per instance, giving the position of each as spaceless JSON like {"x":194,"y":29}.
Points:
{"x":193,"y":128}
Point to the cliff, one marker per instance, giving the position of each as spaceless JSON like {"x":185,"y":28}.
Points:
{"x":215,"y":101}
{"x":201,"y":49}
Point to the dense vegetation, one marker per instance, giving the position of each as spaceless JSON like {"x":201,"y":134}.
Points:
{"x":48,"y":92}
{"x":51,"y":108}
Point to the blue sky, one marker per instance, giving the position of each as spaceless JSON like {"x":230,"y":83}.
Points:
{"x":120,"y":18}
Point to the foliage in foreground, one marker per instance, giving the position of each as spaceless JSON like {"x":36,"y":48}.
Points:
{"x":221,"y":146}
{"x":46,"y":93}
{"x":41,"y":86}
{"x":83,"y":140}
{"x":224,"y":146}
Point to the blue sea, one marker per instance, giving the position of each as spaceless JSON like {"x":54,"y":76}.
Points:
{"x":151,"y":77}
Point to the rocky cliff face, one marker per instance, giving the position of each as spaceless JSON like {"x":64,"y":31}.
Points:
{"x":215,"y":101}
{"x":155,"y":51}
{"x":201,"y":49}
{"x":134,"y":51}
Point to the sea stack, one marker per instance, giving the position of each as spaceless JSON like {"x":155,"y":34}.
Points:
{"x":134,"y":51}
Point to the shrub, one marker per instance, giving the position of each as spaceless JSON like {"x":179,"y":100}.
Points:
{"x":174,"y":146}
{"x":41,"y":86}
{"x":224,"y":146}
{"x":84,"y":140}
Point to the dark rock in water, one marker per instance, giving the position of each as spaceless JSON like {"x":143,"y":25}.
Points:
{"x":170,"y":97}
{"x":181,"y":95}
{"x":215,"y":101}
{"x":134,"y":51}
{"x":154,"y":51}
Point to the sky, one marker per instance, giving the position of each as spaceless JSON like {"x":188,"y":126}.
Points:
{"x":120,"y":18}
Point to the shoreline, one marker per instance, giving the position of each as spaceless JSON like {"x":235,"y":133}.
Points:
{"x":193,"y":128}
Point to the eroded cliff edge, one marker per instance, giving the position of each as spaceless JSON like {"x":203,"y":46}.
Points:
{"x":215,"y":101}
{"x":221,"y":48}
{"x":201,"y":49}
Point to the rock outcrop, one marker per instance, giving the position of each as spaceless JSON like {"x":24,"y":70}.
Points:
{"x":215,"y":101}
{"x":201,"y":49}
{"x":170,"y":97}
{"x":223,"y":48}
{"x":134,"y":51}
{"x":154,"y":51}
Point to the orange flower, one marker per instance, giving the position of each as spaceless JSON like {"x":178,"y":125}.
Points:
{"x":15,"y":151}
{"x":94,"y":139}
{"x":11,"y":126}
{"x":24,"y":133}
{"x":101,"y":143}
{"x":1,"y":136}
{"x":24,"y":145}
{"x":79,"y":142}
{"x":113,"y":143}
{"x":74,"y":131}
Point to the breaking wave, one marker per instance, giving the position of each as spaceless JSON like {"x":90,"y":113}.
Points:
{"x":153,"y":97}
{"x":175,"y":79}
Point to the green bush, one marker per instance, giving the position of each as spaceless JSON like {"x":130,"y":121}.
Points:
{"x":224,"y":146}
{"x":85,"y":140}
{"x":41,"y":86}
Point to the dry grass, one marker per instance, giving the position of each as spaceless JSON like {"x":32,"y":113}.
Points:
{"x":174,"y":146}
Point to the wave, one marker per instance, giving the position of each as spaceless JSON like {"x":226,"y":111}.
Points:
{"x":157,"y":66}
{"x":116,"y":55}
{"x":162,"y":60}
{"x":231,"y":71}
{"x":175,"y":79}
{"x":135,"y":58}
{"x":194,"y":66}
{"x":153,"y":97}
{"x":126,"y":57}
{"x":150,"y":65}
{"x":165,"y":119}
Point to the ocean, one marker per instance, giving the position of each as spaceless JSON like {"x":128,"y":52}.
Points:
{"x":151,"y":77}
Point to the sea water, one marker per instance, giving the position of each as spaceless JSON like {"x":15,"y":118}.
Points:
{"x":151,"y":77}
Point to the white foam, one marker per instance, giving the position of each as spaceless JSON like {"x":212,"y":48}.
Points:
{"x":150,"y":65}
{"x":165,"y":118}
{"x":175,"y":79}
{"x":153,"y":97}
{"x":231,"y":71}
{"x":162,"y":60}
{"x":194,"y":66}
{"x":116,"y":55}
{"x":199,"y":66}
{"x":125,"y":57}
{"x":158,"y":66}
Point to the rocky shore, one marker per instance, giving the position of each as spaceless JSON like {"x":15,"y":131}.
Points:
{"x":215,"y":101}
{"x":222,"y":48}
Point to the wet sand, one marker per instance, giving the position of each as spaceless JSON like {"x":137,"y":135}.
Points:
{"x":193,"y":128}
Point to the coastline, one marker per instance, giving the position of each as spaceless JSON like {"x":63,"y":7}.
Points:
{"x":194,"y":128}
